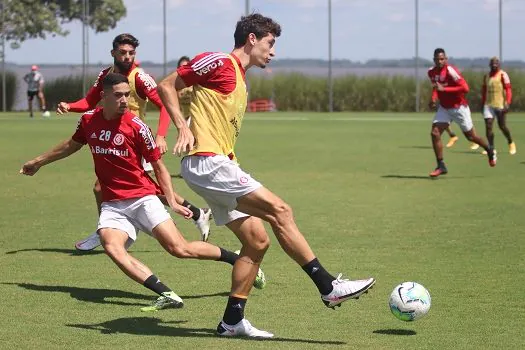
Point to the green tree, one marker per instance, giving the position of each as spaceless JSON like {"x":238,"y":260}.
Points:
{"x":27,"y":19}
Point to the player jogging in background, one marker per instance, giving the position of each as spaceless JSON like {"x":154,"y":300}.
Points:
{"x":449,"y":87}
{"x":211,"y":170}
{"x":118,"y":140}
{"x":143,"y":89}
{"x":496,"y":96}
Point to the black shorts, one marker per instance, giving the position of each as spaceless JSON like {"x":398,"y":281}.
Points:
{"x":31,"y":94}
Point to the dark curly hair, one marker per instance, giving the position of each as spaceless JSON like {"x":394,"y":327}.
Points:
{"x":256,"y":24}
{"x":125,"y":38}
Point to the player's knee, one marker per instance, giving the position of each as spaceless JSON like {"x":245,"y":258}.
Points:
{"x":96,"y":188}
{"x":281,"y":214}
{"x":114,"y":250}
{"x":179,"y":251}
{"x":435,"y":133}
{"x":260,"y":242}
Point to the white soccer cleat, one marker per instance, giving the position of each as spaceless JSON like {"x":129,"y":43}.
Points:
{"x":345,"y":289}
{"x":242,"y":329}
{"x":89,"y":243}
{"x":203,"y":224}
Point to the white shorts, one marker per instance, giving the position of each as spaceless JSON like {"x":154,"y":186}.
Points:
{"x":491,"y":112}
{"x":146,"y":166}
{"x":220,"y":181}
{"x":459,"y":115}
{"x":131,"y":214}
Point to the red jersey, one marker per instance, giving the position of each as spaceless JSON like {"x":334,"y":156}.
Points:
{"x":145,"y":86}
{"x":212,"y":70}
{"x":117,"y":147}
{"x":455,"y":86}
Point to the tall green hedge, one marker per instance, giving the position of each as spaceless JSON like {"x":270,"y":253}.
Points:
{"x":67,"y":89}
{"x":299,"y":92}
{"x":11,"y":84}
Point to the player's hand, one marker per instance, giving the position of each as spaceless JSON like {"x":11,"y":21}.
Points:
{"x":63,"y":108}
{"x":439,"y":87}
{"x":432,"y":105}
{"x":161,"y":144}
{"x":506,"y":108}
{"x":30,"y":168}
{"x":185,"y":141}
{"x":182,"y":211}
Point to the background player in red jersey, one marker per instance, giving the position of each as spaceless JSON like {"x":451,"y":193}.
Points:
{"x":143,"y":89}
{"x":450,"y":88}
{"x":118,"y":140}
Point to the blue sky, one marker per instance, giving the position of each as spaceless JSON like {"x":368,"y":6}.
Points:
{"x":362,"y":29}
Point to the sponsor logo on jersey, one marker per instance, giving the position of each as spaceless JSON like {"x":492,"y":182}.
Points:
{"x":210,"y":67}
{"x":93,"y":136}
{"x":118,"y":139}
{"x":145,"y":133}
{"x":109,"y":151}
{"x":149,"y":82}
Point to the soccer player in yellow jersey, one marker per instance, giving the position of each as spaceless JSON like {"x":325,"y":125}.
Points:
{"x":496,"y":96}
{"x":210,"y":169}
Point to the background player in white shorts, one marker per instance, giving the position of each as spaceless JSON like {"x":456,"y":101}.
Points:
{"x":449,"y":87}
{"x":496,"y":97}
{"x":118,"y":140}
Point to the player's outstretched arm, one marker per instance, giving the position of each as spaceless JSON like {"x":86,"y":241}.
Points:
{"x":167,"y":91}
{"x":164,"y":179}
{"x":62,"y":150}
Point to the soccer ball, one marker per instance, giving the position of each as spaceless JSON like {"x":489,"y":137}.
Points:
{"x":46,"y":114}
{"x":409,"y":301}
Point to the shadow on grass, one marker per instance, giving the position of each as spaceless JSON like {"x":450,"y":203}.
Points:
{"x":105,"y":296}
{"x":417,"y":147}
{"x":157,"y":327}
{"x":73,"y":252}
{"x":395,"y":331}
{"x":415,"y":177}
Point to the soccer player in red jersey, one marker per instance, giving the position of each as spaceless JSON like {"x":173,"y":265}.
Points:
{"x":118,"y":141}
{"x":496,"y":96}
{"x":449,"y":87}
{"x":210,"y":169}
{"x":143,"y":89}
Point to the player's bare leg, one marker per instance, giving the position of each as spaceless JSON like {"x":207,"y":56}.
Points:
{"x":264,"y":204}
{"x":502,"y":123}
{"x":30,"y":106}
{"x":255,"y":242}
{"x":437,"y":145}
{"x":41,"y":101}
{"x":453,"y":137}
{"x":489,"y":132}
{"x":472,"y":136}
{"x":114,"y":243}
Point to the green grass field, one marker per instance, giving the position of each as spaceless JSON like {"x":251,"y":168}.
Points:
{"x":360,"y":192}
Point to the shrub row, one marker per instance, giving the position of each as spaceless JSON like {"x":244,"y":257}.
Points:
{"x":11,"y":85}
{"x":299,"y":92}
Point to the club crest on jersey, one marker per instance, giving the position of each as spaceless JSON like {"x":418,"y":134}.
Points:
{"x":118,"y":139}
